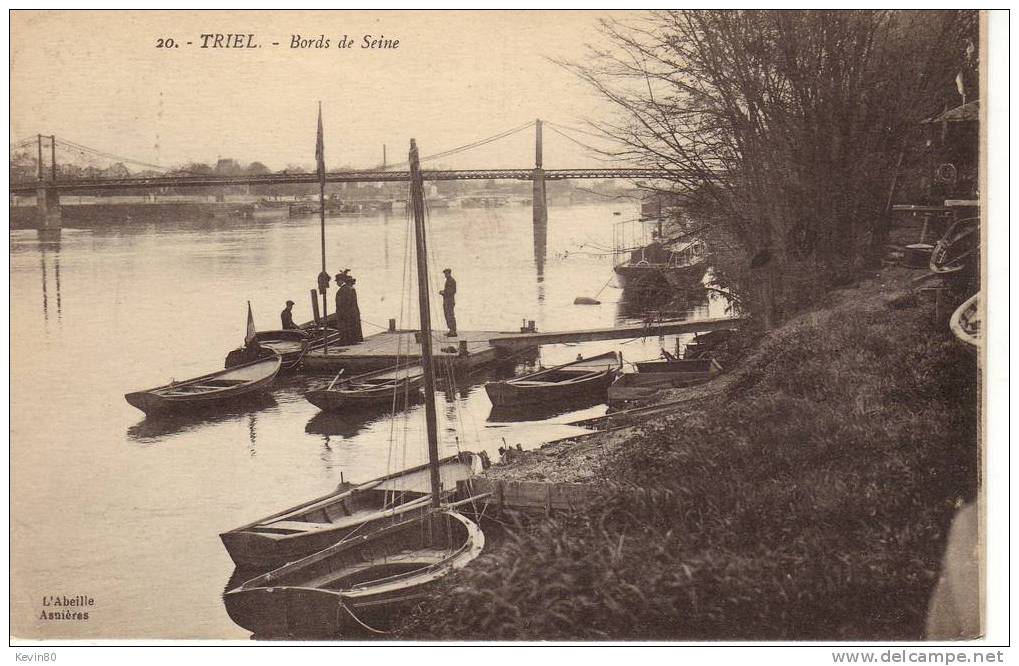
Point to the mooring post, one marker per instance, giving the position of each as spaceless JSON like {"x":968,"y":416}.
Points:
{"x":540,"y":204}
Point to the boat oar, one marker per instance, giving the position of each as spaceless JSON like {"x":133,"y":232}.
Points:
{"x":342,"y":370}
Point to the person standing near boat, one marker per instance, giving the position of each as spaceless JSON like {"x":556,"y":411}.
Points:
{"x":348,"y":314}
{"x":448,"y":294}
{"x":287,"y":317}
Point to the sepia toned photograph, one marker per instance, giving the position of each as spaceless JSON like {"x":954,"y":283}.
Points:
{"x":638,"y":326}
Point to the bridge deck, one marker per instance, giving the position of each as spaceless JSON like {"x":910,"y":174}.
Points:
{"x":331,"y":177}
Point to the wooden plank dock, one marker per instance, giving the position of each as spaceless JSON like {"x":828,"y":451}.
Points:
{"x":383,"y":350}
{"x":515,"y":341}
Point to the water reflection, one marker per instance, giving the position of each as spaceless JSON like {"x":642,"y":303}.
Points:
{"x":347,"y":424}
{"x":668,"y":303}
{"x":49,"y":242}
{"x":540,"y":412}
{"x":154,"y":428}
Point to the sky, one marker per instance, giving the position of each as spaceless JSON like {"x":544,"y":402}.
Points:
{"x":98,"y":78}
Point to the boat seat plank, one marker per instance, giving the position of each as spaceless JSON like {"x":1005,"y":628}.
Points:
{"x":298,"y":526}
{"x":424,"y":558}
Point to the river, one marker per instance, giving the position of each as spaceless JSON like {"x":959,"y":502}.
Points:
{"x":126,"y":510}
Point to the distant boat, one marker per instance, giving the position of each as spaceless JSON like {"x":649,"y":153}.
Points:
{"x":216,"y":388}
{"x":578,"y":379}
{"x":363,"y":581}
{"x":966,"y":322}
{"x":678,"y":266}
{"x":313,"y":525}
{"x":373,"y":388}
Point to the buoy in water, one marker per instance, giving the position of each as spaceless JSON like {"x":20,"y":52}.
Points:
{"x":586,"y":300}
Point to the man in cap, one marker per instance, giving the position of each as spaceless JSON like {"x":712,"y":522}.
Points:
{"x":448,"y":294}
{"x":287,"y":316}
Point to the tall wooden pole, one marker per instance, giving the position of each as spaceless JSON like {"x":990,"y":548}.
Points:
{"x":53,"y":157}
{"x":323,"y":277}
{"x":38,"y":138}
{"x":417,"y":193}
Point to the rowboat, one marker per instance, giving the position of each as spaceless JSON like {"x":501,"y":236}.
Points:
{"x":654,"y":376}
{"x":578,"y":379}
{"x":966,"y":322}
{"x":698,"y":368}
{"x":313,"y":525}
{"x":361,"y":583}
{"x":381,"y":387}
{"x":291,"y":345}
{"x":214,"y":389}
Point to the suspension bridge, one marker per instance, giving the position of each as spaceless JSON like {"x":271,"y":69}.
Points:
{"x":51,"y":181}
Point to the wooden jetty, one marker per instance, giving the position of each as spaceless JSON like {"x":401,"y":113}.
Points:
{"x":466,"y":351}
{"x":515,"y":341}
{"x":471,"y":349}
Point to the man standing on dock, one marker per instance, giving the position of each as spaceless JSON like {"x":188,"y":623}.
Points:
{"x":287,"y":316}
{"x":449,"y":302}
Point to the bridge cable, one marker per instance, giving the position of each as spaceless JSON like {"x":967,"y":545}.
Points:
{"x":468,"y":146}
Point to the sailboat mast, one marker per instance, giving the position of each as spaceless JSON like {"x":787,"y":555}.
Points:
{"x":418,"y":202}
{"x":320,"y":167}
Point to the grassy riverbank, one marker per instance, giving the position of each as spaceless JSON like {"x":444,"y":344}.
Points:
{"x":814,"y":494}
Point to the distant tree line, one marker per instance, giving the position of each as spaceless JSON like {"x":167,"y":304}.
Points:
{"x":783,"y":129}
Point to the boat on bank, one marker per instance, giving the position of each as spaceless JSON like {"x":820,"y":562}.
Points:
{"x":967,"y":322}
{"x":382,"y":387}
{"x":318,"y":523}
{"x":575,"y":380}
{"x":214,"y":389}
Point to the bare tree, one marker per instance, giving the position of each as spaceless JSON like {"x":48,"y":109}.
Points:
{"x":782,"y":128}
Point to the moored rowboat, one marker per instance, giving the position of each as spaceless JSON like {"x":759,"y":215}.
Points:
{"x":209,"y":390}
{"x":362,"y":581}
{"x":303,"y":529}
{"x":571,"y":381}
{"x":373,"y":388}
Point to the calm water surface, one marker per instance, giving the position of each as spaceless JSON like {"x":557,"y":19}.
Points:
{"x":127,"y":510}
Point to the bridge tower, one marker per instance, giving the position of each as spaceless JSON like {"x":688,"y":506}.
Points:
{"x":540,"y":204}
{"x":47,"y":197}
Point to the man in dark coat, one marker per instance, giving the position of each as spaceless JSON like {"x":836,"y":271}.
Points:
{"x":287,"y":316}
{"x":449,"y":302}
